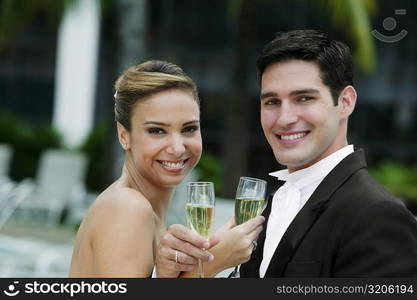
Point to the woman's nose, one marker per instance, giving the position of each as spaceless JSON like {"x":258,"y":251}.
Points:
{"x":176,"y":146}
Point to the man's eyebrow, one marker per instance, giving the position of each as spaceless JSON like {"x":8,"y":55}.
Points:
{"x":268,"y":95}
{"x":304,"y":91}
{"x":292,"y":93}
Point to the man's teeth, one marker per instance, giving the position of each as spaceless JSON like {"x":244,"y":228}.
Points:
{"x":173,"y":165}
{"x":293,"y":136}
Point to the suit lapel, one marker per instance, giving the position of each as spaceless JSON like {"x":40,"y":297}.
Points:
{"x":311,"y":211}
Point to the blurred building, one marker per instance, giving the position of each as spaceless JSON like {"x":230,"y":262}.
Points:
{"x":200,"y":36}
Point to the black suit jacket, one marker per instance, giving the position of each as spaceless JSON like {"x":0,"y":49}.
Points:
{"x":350,"y":227}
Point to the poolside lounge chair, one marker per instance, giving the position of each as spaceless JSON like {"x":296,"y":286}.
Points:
{"x":59,"y":173}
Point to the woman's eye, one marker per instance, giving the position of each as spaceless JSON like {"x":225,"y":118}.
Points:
{"x":190,"y":129}
{"x":156,"y":130}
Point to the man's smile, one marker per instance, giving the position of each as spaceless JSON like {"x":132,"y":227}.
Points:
{"x":291,"y":137}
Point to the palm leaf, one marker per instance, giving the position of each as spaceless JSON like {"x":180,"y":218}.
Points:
{"x":16,"y":14}
{"x":353,"y":16}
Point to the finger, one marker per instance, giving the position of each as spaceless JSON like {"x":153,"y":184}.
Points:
{"x":213,"y":240}
{"x":171,"y":242}
{"x":230,"y":223}
{"x":184,"y":268}
{"x":183,"y":233}
{"x":254,"y":245}
{"x":195,"y":252}
{"x":166,"y":263}
{"x":173,"y":267}
{"x":253,"y":235}
{"x":251,"y":224}
{"x":183,"y":258}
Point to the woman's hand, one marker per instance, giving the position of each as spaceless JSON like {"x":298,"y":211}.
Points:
{"x":179,"y":251}
{"x":236,"y":244}
{"x":231,"y":245}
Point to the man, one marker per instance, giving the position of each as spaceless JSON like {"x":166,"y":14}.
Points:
{"x":329,"y":217}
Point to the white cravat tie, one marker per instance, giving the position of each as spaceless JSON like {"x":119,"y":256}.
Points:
{"x":285,"y":206}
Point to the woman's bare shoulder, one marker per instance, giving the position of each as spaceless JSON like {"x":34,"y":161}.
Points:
{"x":122,"y":200}
{"x":120,"y":227}
{"x":119,"y":208}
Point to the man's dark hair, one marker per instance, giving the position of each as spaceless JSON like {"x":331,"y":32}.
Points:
{"x":333,"y":57}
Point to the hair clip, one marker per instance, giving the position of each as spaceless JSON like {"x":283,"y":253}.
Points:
{"x":115,"y":95}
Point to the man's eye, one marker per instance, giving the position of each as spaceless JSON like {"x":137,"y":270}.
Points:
{"x":304,"y":99}
{"x":190,"y":129}
{"x":156,"y":130}
{"x":271,"y":102}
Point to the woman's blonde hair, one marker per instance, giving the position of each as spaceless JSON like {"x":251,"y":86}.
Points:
{"x":140,"y":81}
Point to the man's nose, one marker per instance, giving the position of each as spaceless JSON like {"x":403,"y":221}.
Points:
{"x":288,"y":116}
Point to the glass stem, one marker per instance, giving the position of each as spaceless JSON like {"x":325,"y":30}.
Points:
{"x":201,"y":269}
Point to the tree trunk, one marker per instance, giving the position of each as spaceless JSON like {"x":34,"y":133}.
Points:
{"x":236,"y":146}
{"x":132,"y":50}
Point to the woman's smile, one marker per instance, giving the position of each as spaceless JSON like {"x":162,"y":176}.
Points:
{"x":173,"y":166}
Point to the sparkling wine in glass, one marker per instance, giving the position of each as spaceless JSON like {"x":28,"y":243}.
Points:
{"x":249,"y":203}
{"x":199,"y":210}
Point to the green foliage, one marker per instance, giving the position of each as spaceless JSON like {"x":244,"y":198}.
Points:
{"x":10,"y":128}
{"x":400,"y":180}
{"x":27,"y":143}
{"x":16,"y":14}
{"x":352,"y":16}
{"x":209,"y":169}
{"x":93,"y":147}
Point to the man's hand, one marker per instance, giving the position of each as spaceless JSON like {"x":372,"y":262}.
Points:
{"x":236,"y":243}
{"x":180,"y":249}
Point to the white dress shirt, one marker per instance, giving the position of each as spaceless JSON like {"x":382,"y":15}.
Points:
{"x":291,"y":197}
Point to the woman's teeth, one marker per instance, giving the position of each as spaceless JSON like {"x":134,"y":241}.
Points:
{"x":173,"y":165}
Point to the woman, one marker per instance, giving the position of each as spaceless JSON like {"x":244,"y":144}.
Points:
{"x":158,"y":123}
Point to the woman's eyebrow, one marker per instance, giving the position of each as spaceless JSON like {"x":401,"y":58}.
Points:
{"x":191,"y":122}
{"x":156,"y":123}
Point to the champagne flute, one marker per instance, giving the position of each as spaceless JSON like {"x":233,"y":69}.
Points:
{"x":199,"y":210}
{"x":249,"y":203}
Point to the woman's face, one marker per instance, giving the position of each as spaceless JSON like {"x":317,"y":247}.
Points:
{"x":165,"y":139}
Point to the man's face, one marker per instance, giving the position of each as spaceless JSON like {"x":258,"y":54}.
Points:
{"x":298,"y":115}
